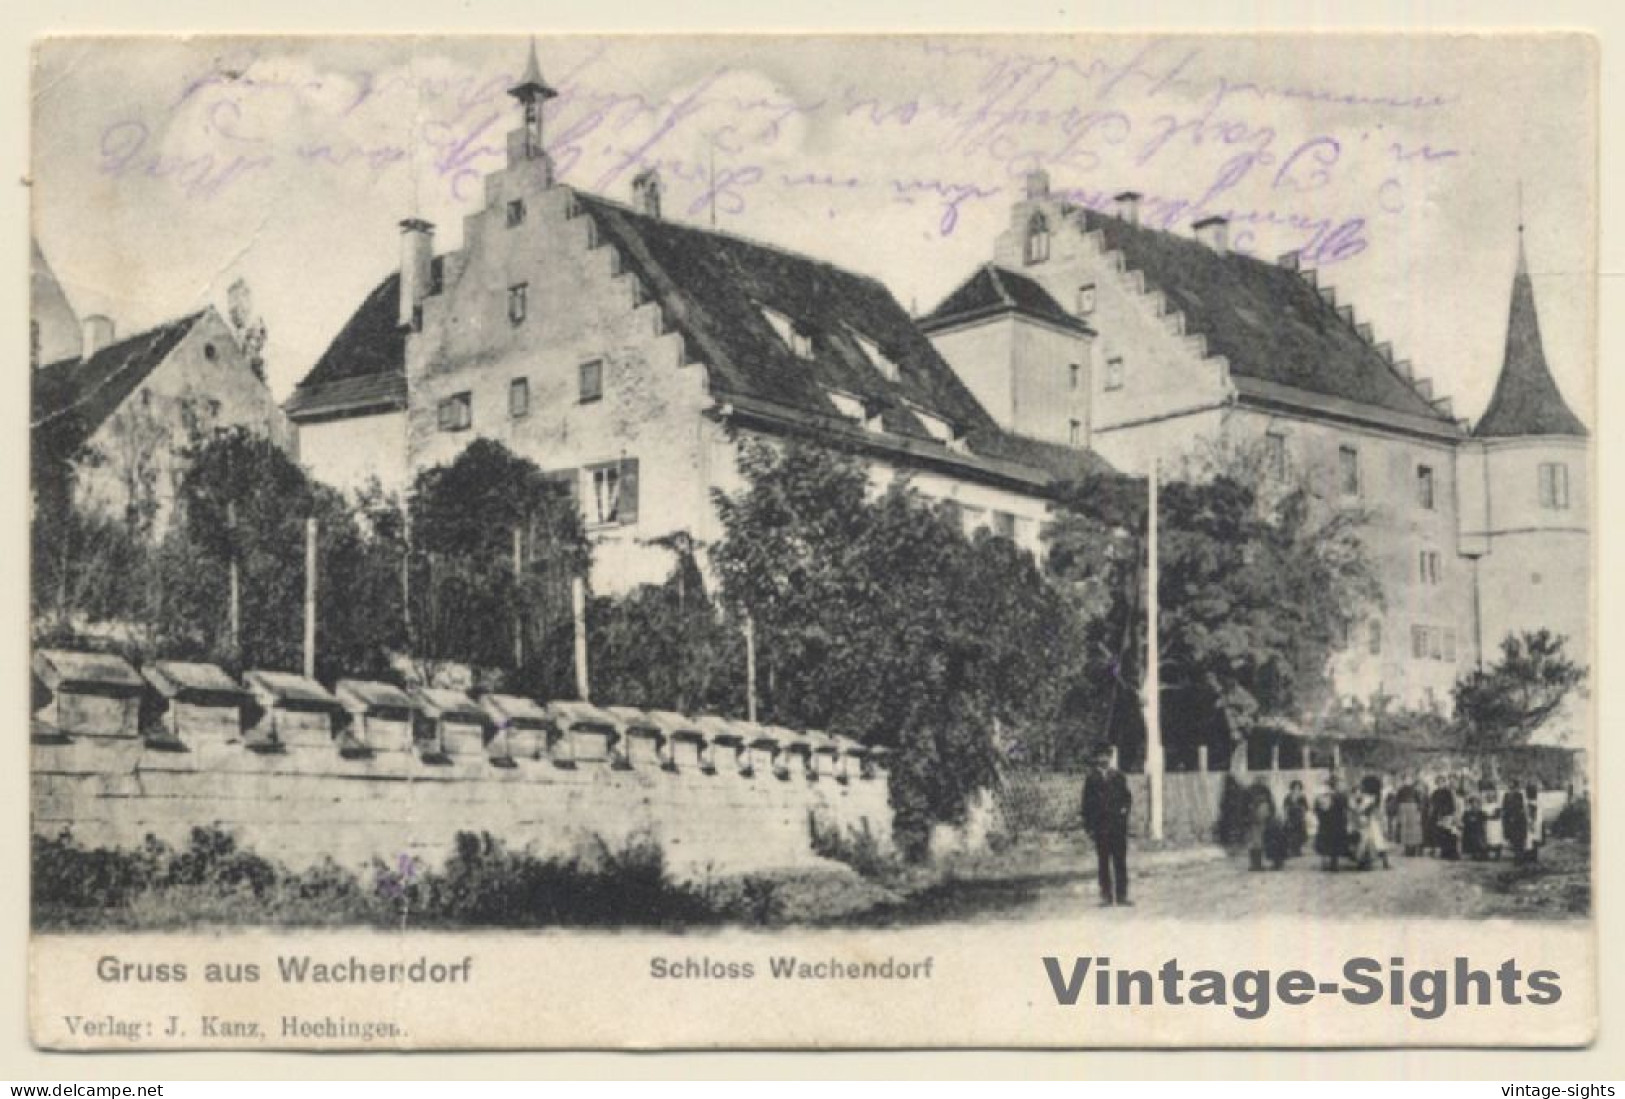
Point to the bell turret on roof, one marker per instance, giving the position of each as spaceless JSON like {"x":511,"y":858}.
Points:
{"x":531,"y":86}
{"x":1526,"y":400}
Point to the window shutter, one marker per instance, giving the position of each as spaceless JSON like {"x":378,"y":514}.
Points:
{"x":628,"y":511}
{"x":570,"y":481}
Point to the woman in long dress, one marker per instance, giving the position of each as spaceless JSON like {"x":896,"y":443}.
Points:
{"x":1474,"y":844}
{"x":1490,"y":801}
{"x":1370,"y":844}
{"x":1263,"y":831}
{"x":1515,"y":822}
{"x":1537,"y":822}
{"x":1295,"y":807}
{"x":1332,"y":824}
{"x":1408,"y":818}
{"x":1442,"y":812}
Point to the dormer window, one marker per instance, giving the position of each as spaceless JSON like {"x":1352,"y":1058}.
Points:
{"x":935,"y":426}
{"x":796,"y":338}
{"x":1037,"y":239}
{"x":882,"y":362}
{"x":847,"y":405}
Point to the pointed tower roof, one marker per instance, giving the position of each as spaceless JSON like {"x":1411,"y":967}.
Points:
{"x":993,"y":291}
{"x":1526,"y":400}
{"x":531,"y":85}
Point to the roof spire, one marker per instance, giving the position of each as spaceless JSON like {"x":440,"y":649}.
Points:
{"x":531,"y":86}
{"x":1523,"y":264}
{"x":1526,"y":400}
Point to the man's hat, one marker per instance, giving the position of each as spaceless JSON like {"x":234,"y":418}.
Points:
{"x":1101,"y":754}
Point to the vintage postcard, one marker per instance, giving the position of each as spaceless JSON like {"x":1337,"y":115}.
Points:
{"x":670,"y":542}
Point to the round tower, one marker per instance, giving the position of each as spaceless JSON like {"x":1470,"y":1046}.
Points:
{"x":1529,"y":460}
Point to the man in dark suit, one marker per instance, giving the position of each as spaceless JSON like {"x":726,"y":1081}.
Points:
{"x":1106,"y":805}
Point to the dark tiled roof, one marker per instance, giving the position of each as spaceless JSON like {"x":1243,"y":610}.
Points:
{"x":1062,"y":463}
{"x":1265,"y":319}
{"x":713,"y":286}
{"x":1526,"y":399}
{"x":364,"y":368}
{"x":74,"y":397}
{"x":348,"y":396}
{"x":995,"y":290}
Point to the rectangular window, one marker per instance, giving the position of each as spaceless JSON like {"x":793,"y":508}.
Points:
{"x":519,"y":397}
{"x":591,"y":381}
{"x":517,"y":303}
{"x":1436,"y":643}
{"x":456,"y":412}
{"x":1376,"y":637}
{"x":1450,"y":645}
{"x":1114,"y":372}
{"x":1428,"y":566}
{"x":1419,"y":642}
{"x":1086,"y":299}
{"x":516,"y":212}
{"x":1275,"y":454}
{"x":611,"y":489}
{"x":1348,"y":470}
{"x":1074,"y":433}
{"x":1004,"y":525}
{"x":1424,"y":487}
{"x":1554,"y":486}
{"x":1074,"y":377}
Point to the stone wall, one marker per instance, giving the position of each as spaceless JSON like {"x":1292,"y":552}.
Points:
{"x":309,"y":798}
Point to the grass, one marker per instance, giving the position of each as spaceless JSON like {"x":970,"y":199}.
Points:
{"x":213,"y":881}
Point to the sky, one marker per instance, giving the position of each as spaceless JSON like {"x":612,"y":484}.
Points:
{"x":166,"y":169}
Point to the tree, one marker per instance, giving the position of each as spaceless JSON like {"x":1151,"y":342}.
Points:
{"x":244,"y":500}
{"x":876,"y":617}
{"x":1256,"y":591}
{"x":467,"y":598}
{"x":668,"y":646}
{"x":1503,"y":705}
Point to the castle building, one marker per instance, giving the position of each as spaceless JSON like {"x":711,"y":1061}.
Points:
{"x":626,"y":354}
{"x":126,"y":409}
{"x":1091,"y":329}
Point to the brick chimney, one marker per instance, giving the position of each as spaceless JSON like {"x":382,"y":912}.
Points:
{"x":98,"y":333}
{"x":1128,"y":206}
{"x":646,"y":190}
{"x":1214,"y":232}
{"x":417,"y":254}
{"x":1037,"y":181}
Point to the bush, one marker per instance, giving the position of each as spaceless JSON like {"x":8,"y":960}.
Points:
{"x":1573,"y":821}
{"x":857,"y":847}
{"x":214,"y":880}
{"x":486,"y":884}
{"x":67,"y":875}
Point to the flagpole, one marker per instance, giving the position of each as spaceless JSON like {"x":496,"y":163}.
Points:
{"x":1152,"y":690}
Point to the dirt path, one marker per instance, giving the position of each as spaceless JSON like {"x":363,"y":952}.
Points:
{"x":1224,"y":888}
{"x":1058,"y":880}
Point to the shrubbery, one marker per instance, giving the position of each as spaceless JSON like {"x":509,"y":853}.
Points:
{"x":1573,"y":821}
{"x":857,"y":847}
{"x":484,"y":884}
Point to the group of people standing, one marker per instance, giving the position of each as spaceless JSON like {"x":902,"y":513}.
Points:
{"x":1361,"y":824}
{"x":1453,"y":819}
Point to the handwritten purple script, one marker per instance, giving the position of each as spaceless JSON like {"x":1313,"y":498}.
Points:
{"x":1249,"y":150}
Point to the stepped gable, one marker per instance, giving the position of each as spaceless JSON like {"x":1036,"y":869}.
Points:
{"x":1267,"y":320}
